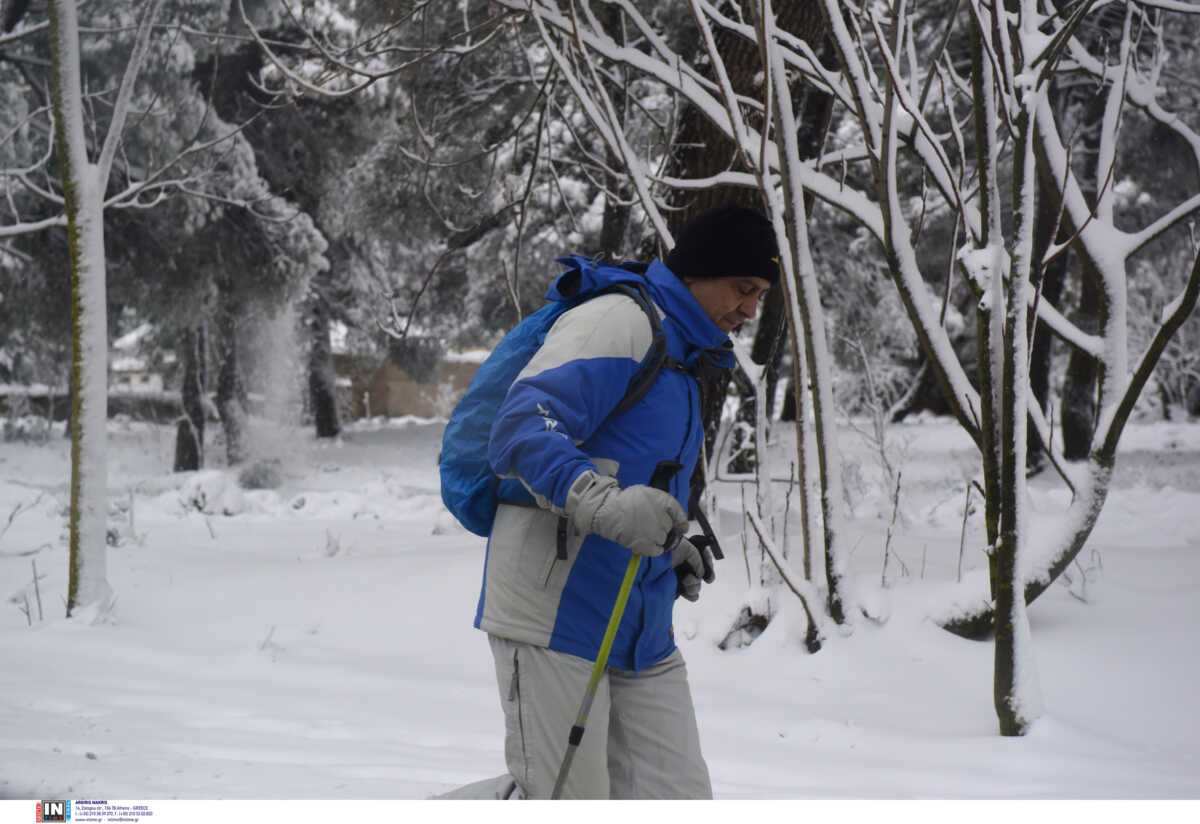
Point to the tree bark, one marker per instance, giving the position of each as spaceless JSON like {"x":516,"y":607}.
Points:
{"x":701,"y":150}
{"x":1078,"y":407}
{"x":617,"y":200}
{"x":322,"y":385}
{"x":1014,"y":692}
{"x":83,"y":194}
{"x":1052,"y":281}
{"x":83,"y":183}
{"x":231,"y":390}
{"x":189,"y":435}
{"x":812,"y":359}
{"x":1081,"y":381}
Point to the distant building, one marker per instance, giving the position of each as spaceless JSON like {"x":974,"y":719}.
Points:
{"x":130,"y":374}
{"x":391,"y":391}
{"x":129,"y":370}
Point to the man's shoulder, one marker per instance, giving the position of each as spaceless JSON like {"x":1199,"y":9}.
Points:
{"x":613,"y":315}
{"x":616,"y":304}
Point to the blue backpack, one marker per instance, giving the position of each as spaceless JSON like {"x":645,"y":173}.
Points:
{"x":469,"y":486}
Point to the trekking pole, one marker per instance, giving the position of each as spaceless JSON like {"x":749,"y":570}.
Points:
{"x":660,"y":480}
{"x":610,"y":633}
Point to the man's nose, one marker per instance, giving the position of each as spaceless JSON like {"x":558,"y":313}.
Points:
{"x":749,"y":307}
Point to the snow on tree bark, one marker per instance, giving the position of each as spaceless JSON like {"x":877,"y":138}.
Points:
{"x":189,"y":438}
{"x":806,"y":318}
{"x":1016,"y":692}
{"x":88,"y":581}
{"x":83,"y":193}
{"x":83,"y":184}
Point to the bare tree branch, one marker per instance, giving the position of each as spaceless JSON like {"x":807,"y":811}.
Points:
{"x":121,"y":106}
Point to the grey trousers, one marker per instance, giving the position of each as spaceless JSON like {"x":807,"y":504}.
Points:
{"x":641,"y":739}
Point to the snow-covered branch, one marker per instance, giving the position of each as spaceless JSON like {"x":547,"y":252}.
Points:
{"x":797,"y":54}
{"x":1171,"y":5}
{"x":737,"y":124}
{"x":1108,"y":430}
{"x":742,"y":179}
{"x":31,"y":226}
{"x":36,"y":29}
{"x":116,"y":126}
{"x":360,"y":60}
{"x":1133,"y":243}
{"x":607,"y":124}
{"x":926,"y":131}
{"x":803,"y":590}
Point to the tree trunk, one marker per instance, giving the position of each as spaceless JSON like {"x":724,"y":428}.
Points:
{"x":616,"y":219}
{"x":1080,"y":383}
{"x":231,"y":390}
{"x":189,"y":434}
{"x":767,"y":350}
{"x":1016,"y":698}
{"x":925,"y":393}
{"x":1052,"y":281}
{"x":788,"y":412}
{"x":1078,"y":408}
{"x":1095,"y":481}
{"x":617,"y":200}
{"x":83,"y":193}
{"x":812,"y":360}
{"x":83,"y":184}
{"x":701,"y":150}
{"x":322,"y":379}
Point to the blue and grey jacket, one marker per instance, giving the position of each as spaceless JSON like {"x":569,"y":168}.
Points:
{"x":555,"y":424}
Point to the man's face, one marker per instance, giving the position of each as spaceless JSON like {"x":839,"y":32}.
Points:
{"x":729,"y":301}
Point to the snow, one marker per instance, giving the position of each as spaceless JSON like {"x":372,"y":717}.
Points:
{"x":127,"y":363}
{"x":468,"y":356}
{"x":132,"y":339}
{"x":315,"y":640}
{"x":91,"y":352}
{"x":338,"y":336}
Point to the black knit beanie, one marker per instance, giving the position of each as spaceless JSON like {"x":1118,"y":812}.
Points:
{"x":726,"y":241}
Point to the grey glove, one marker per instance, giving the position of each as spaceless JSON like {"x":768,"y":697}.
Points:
{"x":639,"y":518}
{"x":692,"y":565}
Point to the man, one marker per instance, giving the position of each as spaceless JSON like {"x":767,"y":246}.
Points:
{"x":578,"y":500}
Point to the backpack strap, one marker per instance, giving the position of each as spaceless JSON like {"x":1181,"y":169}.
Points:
{"x":656,"y":358}
{"x":647,"y":372}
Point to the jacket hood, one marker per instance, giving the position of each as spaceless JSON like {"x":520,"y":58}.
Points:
{"x":585,"y":276}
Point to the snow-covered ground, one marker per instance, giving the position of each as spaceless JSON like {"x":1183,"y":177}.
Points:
{"x":315,"y":640}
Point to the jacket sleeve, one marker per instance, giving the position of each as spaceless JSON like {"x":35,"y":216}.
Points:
{"x":565,"y":393}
